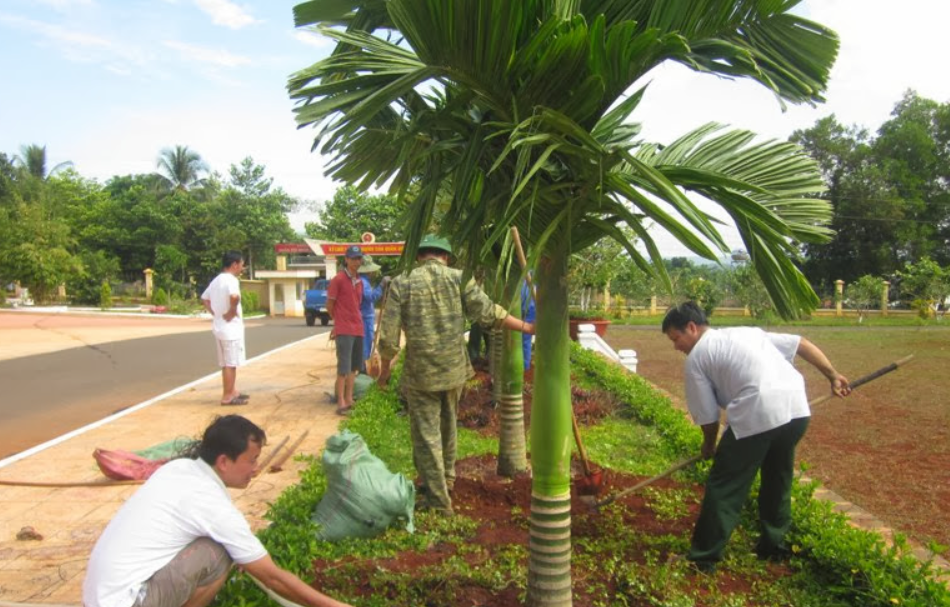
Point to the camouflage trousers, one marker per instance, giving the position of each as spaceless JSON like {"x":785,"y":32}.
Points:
{"x":432,"y":424}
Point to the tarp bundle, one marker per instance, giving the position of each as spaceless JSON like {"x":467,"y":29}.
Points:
{"x":120,"y":465}
{"x":363,"y":498}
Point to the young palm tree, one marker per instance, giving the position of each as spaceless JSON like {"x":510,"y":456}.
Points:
{"x":520,"y":112}
{"x":181,"y":168}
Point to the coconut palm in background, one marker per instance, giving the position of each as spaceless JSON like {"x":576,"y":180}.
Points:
{"x":181,"y":168}
{"x":32,"y":159}
{"x":521,"y":113}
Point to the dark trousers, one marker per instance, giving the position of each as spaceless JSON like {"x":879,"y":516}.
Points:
{"x":734,"y":469}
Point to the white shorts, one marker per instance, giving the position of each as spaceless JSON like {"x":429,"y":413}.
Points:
{"x":231,"y":352}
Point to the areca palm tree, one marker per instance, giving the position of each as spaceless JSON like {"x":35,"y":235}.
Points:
{"x":181,"y":168}
{"x":521,"y":113}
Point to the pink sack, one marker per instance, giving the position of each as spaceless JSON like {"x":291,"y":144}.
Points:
{"x":126,"y":466}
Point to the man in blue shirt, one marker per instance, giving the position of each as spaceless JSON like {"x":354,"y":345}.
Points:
{"x":368,"y":307}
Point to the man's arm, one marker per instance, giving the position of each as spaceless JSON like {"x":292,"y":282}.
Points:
{"x":814,"y":356}
{"x":207,"y":304}
{"x":289,"y":585}
{"x":513,"y":323}
{"x":390,"y":328}
{"x":710,"y":436}
{"x":232,"y":311}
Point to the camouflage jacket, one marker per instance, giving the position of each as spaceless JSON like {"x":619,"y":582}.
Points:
{"x":431,"y":306}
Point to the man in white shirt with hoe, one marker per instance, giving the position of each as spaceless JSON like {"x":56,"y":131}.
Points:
{"x":749,"y":374}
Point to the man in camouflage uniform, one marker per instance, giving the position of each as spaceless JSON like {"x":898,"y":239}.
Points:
{"x":431,"y":305}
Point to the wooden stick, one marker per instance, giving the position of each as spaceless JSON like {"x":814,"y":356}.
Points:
{"x":866,"y":378}
{"x":276,"y":466}
{"x":108,"y":483}
{"x":679,"y":466}
{"x":270,"y":456}
{"x":523,"y":260}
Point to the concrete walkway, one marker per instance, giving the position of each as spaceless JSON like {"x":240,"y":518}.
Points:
{"x":288,"y":390}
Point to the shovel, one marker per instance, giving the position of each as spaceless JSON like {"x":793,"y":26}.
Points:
{"x":373,"y":364}
{"x":595,"y":505}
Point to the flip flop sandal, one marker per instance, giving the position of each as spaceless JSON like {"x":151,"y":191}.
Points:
{"x":344,"y":410}
{"x":241,"y":399}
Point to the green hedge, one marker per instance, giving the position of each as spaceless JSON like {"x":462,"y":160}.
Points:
{"x":836,"y":563}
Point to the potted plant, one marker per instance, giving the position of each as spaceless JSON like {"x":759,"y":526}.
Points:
{"x":596,"y":317}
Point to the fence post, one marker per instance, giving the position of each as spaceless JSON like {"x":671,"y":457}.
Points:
{"x":884,"y":293}
{"x":839,"y":300}
{"x":148,"y":283}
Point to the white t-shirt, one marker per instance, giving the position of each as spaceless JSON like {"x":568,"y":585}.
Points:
{"x":219,"y":293}
{"x":750,"y":374}
{"x":184,"y":500}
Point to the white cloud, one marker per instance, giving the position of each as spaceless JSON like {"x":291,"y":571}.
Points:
{"x":203,"y":54}
{"x":65,"y":4}
{"x":226,"y":13}
{"x":55,"y":33}
{"x":78,"y":46}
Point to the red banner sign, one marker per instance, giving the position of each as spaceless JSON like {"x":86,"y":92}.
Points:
{"x":290,"y":248}
{"x":376,"y":248}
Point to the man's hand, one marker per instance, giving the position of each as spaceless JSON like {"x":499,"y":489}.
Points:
{"x":229,"y":316}
{"x":385,"y":370}
{"x":710,"y":437}
{"x":840,"y":385}
{"x":385,"y":281}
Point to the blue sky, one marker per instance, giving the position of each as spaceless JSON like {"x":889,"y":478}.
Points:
{"x":107,"y":84}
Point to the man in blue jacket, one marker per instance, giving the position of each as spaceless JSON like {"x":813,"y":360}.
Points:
{"x":368,"y":307}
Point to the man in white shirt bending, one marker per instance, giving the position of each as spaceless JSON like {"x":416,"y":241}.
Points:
{"x":749,"y":374}
{"x":173,"y":542}
{"x":222,"y":299}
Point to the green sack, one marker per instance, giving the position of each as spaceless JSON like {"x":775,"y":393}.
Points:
{"x":361,"y":386}
{"x":169,"y":449}
{"x":363,"y":498}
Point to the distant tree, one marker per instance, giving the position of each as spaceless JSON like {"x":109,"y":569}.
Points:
{"x":595,"y":268}
{"x":351,"y":212}
{"x":891,"y":193}
{"x":864,"y":294}
{"x":181,"y":168}
{"x":249,"y":179}
{"x":926,"y":284}
{"x":97,"y":268}
{"x":256,"y":212}
{"x":33,"y":160}
{"x":749,"y":291}
{"x":704,"y":292}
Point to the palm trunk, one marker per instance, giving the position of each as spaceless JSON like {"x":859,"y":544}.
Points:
{"x":512,"y":453}
{"x":549,"y":565}
{"x":496,"y":346}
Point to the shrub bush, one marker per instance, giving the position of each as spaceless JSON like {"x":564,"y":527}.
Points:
{"x":105,"y":295}
{"x":160,"y":297}
{"x":250,"y":302}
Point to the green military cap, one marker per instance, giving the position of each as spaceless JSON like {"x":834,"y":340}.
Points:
{"x":431,"y":241}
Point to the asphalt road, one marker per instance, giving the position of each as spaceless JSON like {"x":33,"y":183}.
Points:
{"x":47,"y":395}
